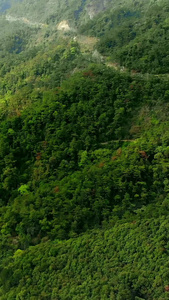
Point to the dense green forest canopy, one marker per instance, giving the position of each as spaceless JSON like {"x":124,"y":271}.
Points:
{"x":84,"y":150}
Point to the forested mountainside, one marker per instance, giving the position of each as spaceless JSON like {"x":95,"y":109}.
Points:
{"x":84,"y":150}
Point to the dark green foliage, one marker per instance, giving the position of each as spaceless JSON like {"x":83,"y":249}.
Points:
{"x":84,"y":156}
{"x":60,"y":176}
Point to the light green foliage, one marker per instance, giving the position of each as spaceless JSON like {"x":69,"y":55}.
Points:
{"x":24,"y":189}
{"x":83,"y":158}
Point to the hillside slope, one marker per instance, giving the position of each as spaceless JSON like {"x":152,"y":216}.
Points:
{"x":84,"y":150}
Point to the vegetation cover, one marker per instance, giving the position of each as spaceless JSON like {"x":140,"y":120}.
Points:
{"x":136,"y":36}
{"x":84,"y":153}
